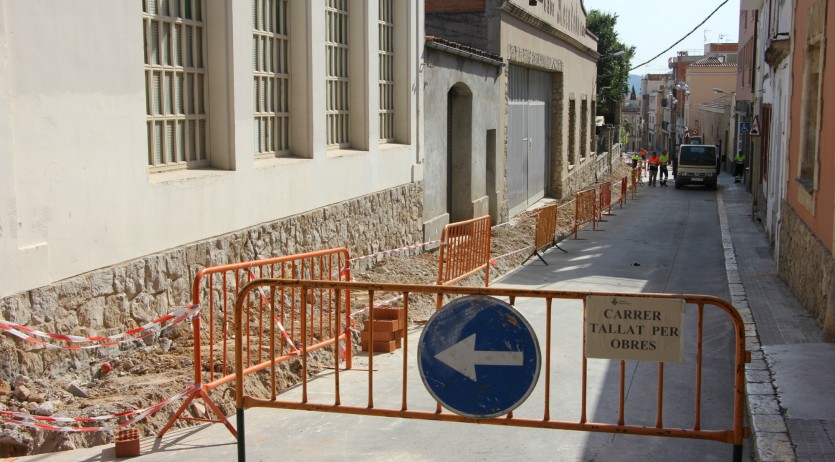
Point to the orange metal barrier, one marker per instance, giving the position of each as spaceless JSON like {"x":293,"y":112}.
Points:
{"x":623,"y":189}
{"x":546,"y":230}
{"x":216,"y":289}
{"x":634,"y":182}
{"x":358,"y":397}
{"x":605,"y":200}
{"x":585,"y":209}
{"x":464,"y":251}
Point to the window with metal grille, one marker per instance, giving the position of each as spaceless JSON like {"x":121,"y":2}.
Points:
{"x":592,"y":123}
{"x":572,"y":133}
{"x":386,"y":54}
{"x":271,"y":77}
{"x":810,"y":105}
{"x":336,"y":43}
{"x":584,"y":129}
{"x":175,"y":83}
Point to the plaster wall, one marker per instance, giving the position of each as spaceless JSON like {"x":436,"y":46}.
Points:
{"x":714,"y":123}
{"x":816,"y":209}
{"x":566,"y":49}
{"x":702,"y":81}
{"x":777,"y":92}
{"x":807,"y":220}
{"x":483,"y":81}
{"x":75,"y":188}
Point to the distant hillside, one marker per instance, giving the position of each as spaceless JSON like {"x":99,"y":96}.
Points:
{"x":634,"y":81}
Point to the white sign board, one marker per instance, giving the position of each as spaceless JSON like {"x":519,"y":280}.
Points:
{"x":634,"y":327}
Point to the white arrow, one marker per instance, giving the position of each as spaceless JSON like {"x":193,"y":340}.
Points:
{"x":463,"y":357}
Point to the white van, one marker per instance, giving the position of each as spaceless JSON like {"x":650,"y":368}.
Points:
{"x":698,"y":164}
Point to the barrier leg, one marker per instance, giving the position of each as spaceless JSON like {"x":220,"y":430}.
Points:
{"x":212,"y":406}
{"x":241,"y":442}
{"x":176,"y":415}
{"x":535,"y":252}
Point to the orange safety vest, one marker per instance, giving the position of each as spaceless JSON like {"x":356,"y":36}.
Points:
{"x":654,"y":161}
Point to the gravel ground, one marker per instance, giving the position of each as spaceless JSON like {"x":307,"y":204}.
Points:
{"x":145,"y":375}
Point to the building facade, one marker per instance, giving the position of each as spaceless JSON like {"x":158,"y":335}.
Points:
{"x":715,"y":120}
{"x":776,"y":77}
{"x":546,"y":138}
{"x":807,"y":228}
{"x":630,"y":115}
{"x":651,"y":86}
{"x":461,"y":91}
{"x":702,"y":78}
{"x":180,"y":134}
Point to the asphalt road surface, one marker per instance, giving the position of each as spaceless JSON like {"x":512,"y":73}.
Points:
{"x":665,"y":241}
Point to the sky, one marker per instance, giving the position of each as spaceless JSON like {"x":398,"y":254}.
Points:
{"x":652,"y":26}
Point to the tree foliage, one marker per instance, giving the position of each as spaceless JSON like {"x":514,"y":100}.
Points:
{"x":612,"y":71}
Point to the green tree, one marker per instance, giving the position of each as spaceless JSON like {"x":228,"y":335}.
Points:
{"x":613,"y":64}
{"x":632,"y":95}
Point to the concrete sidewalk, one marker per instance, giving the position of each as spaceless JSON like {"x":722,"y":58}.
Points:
{"x":790,"y":378}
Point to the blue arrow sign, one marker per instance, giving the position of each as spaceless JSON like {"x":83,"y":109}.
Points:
{"x":479,"y":357}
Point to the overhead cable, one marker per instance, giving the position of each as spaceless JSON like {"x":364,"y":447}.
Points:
{"x":682,"y":39}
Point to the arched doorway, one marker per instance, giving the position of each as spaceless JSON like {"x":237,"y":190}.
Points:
{"x":459,"y":153}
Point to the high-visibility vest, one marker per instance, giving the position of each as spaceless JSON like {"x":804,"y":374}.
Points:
{"x":654,"y":160}
{"x":665,"y":159}
{"x":740,"y":158}
{"x":635,"y":156}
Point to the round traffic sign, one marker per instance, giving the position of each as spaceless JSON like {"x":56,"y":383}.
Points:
{"x":479,"y":357}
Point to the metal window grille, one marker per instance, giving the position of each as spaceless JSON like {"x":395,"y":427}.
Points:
{"x":271,"y":77}
{"x":584,"y":128}
{"x":386,"y":56}
{"x":175,"y":82}
{"x":592,"y":123}
{"x":572,"y":133}
{"x":336,"y":43}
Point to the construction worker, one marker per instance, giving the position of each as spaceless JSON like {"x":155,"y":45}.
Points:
{"x":665,"y":159}
{"x":635,"y":159}
{"x":739,"y":166}
{"x":654,"y":163}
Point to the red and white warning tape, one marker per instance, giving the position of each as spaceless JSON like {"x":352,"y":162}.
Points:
{"x":266,"y":301}
{"x":47,"y":422}
{"x":386,"y":253}
{"x":523,"y":249}
{"x":29,"y":334}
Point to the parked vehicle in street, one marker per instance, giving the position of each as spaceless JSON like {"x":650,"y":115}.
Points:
{"x":697,"y":165}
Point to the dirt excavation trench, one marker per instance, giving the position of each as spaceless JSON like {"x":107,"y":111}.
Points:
{"x":143,"y":373}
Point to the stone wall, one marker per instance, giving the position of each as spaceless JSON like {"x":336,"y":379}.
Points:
{"x":808,"y":269}
{"x":111,"y":300}
{"x":587,"y":173}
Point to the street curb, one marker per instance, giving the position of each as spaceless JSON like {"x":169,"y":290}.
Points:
{"x":769,"y":432}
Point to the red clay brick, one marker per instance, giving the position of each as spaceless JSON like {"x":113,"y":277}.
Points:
{"x":127,"y":442}
{"x":378,"y":336}
{"x":381,"y":347}
{"x":383,"y":325}
{"x":388,"y":313}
